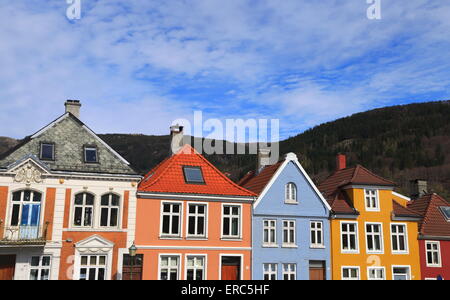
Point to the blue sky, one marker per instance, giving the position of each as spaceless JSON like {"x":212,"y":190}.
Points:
{"x":138,"y":65}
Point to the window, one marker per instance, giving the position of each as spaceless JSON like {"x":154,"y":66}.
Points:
{"x":90,"y":155}
{"x":231,"y":221}
{"x":270,"y":235}
{"x":316,"y":234}
{"x":26,"y":209}
{"x":350,"y":273}
{"x":195,"y":269}
{"x":197,"y":220}
{"x":270,"y":271}
{"x":47,"y":151}
{"x":349,"y":237}
{"x":291,"y":193}
{"x":401,"y":273}
{"x":374,"y":238}
{"x":110,"y":205}
{"x":193,"y":175}
{"x":375,"y":273}
{"x":399,"y":238}
{"x":288,"y":233}
{"x":446,"y":211}
{"x":40,"y":268}
{"x":169,"y":268}
{"x":372,"y":203}
{"x":289,"y":272}
{"x":433,"y":254}
{"x":171,"y":219}
{"x":84,"y":210}
{"x":93,"y":267}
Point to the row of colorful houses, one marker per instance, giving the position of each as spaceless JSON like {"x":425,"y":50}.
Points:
{"x":73,"y":208}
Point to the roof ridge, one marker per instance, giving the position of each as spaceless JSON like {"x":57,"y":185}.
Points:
{"x":376,"y":175}
{"x":405,"y":207}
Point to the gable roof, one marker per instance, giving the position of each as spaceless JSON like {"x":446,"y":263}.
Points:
{"x":401,"y":211}
{"x":434,"y":222}
{"x":168,"y":177}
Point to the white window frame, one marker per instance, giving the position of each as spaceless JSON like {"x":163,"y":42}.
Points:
{"x":406,"y":251}
{"x":83,"y":207}
{"x":317,"y":232}
{"x":40,"y":268}
{"x":406,"y":267}
{"x":271,"y":271}
{"x":196,"y":215}
{"x":290,"y":193}
{"x":289,"y":229}
{"x":377,"y":200}
{"x":171,"y":214}
{"x":381,"y":251}
{"x":96,"y":267}
{"x":376,"y":268}
{"x":170,"y":256}
{"x":291,"y":271}
{"x":438,"y":251}
{"x":345,"y":251}
{"x":90,"y":148}
{"x":110,"y":207}
{"x":196,"y":256}
{"x":271,"y":230}
{"x":41,"y":157}
{"x":353,"y":268}
{"x":240,"y":219}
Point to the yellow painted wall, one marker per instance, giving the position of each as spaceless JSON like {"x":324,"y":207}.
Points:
{"x":363,"y":259}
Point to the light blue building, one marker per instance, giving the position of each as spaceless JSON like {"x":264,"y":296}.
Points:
{"x":290,"y":226}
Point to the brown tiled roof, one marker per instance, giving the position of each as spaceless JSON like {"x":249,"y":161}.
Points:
{"x":434,"y":223}
{"x":401,"y":211}
{"x":340,"y":203}
{"x":257,"y":182}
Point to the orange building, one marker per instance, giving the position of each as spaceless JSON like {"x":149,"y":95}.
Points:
{"x":193,"y":222}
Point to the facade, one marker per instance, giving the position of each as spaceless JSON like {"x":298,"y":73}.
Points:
{"x":192,"y":221}
{"x":373,"y":233}
{"x":434,"y":236}
{"x":290,"y":226}
{"x":67,"y":204}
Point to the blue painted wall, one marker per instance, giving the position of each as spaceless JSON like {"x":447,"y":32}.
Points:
{"x":309,"y":208}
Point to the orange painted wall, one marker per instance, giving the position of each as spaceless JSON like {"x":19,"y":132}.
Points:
{"x":49,"y":211}
{"x":3,"y":205}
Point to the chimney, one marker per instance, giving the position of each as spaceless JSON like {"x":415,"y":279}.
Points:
{"x":73,"y":106}
{"x":263,"y":159}
{"x":418,"y":188}
{"x":341,"y":162}
{"x":176,"y":133}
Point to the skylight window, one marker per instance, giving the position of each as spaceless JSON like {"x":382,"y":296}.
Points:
{"x":446,"y":211}
{"x":193,"y":175}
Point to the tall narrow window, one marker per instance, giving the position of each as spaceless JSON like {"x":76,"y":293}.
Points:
{"x":433,"y":254}
{"x":270,"y":271}
{"x":231,"y":221}
{"x":349,"y":237}
{"x":291,"y":193}
{"x":26,"y":214}
{"x":372,"y":203}
{"x":374,"y":238}
{"x":289,"y":272}
{"x":195,"y":269}
{"x":84,"y":210}
{"x":47,"y":151}
{"x":399,"y":238}
{"x":40,"y":267}
{"x":317,"y":234}
{"x":90,"y":155}
{"x":93,"y":267}
{"x":171,"y":219}
{"x":169,"y":268}
{"x":288,"y":233}
{"x":110,"y":206}
{"x":270,"y":229}
{"x":197,"y":220}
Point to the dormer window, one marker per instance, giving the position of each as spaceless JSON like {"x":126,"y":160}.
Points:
{"x":291,"y":193}
{"x":90,"y":155}
{"x":193,"y":175}
{"x":372,"y":201}
{"x":47,"y":151}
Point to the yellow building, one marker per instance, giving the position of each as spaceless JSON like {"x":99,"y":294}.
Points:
{"x":373,"y":234}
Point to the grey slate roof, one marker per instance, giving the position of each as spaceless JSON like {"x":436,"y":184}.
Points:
{"x":69,"y":135}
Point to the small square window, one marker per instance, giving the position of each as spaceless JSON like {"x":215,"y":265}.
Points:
{"x":47,"y":151}
{"x":193,"y":175}
{"x":90,"y":155}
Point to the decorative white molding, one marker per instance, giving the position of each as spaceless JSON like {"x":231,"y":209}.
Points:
{"x":28,"y":174}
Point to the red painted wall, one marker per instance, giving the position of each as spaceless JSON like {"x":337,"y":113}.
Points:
{"x":431,"y":272}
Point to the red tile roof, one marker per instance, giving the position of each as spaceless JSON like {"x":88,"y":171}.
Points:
{"x":434,"y":223}
{"x":168,"y":177}
{"x":401,"y":211}
{"x":257,"y":182}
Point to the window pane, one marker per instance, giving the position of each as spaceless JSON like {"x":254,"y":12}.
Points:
{"x":89,"y":199}
{"x":84,"y":260}
{"x":83,"y":273}
{"x":105,"y":200}
{"x":27,"y":196}
{"x":88,"y":216}
{"x":166,"y":226}
{"x":47,"y":151}
{"x":16,"y":196}
{"x":114,"y":217}
{"x":92,"y":274}
{"x":37,"y":197}
{"x":191,"y":225}
{"x":79,"y":199}
{"x":34,"y":273}
{"x":77,"y":216}
{"x":35,"y":261}
{"x":101,"y":274}
{"x":115,"y":200}
{"x":46,"y":261}
{"x":175,"y":221}
{"x":91,"y":155}
{"x":45,"y":274}
{"x":15,"y":215}
{"x":104,"y":217}
{"x":193,"y":175}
